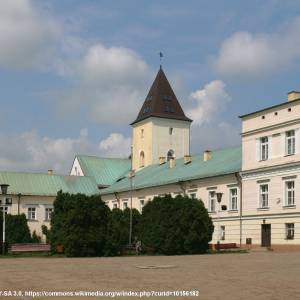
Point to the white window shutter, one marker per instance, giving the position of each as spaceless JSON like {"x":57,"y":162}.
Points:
{"x":297,"y":140}
{"x":258,"y":149}
{"x":283,"y":144}
{"x":270,"y":147}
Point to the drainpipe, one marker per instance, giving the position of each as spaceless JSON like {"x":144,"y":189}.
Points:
{"x":182,"y":187}
{"x":19,"y":201}
{"x":117,"y":198}
{"x":239,"y":180}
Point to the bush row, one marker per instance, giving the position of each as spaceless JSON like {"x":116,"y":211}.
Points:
{"x":85,"y":226}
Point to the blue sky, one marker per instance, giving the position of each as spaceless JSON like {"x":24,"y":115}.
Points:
{"x":74,"y":73}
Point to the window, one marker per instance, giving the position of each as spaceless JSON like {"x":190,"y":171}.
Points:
{"x":5,"y":209}
{"x":290,"y":143}
{"x":170,"y":131}
{"x":290,"y":193}
{"x":264,"y":148}
{"x":142,"y":203}
{"x":142,"y":133}
{"x":233,"y":196}
{"x":289,"y":231}
{"x":31,"y":213}
{"x":142,"y":159}
{"x":48,"y":213}
{"x":169,"y":108}
{"x":212,"y":201}
{"x":222,"y":233}
{"x":167,"y":98}
{"x":125,"y":205}
{"x":193,"y":195}
{"x":264,"y":196}
{"x":170,"y":154}
{"x":115,"y":205}
{"x":146,"y":110}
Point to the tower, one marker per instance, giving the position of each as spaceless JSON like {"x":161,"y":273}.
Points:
{"x":161,"y":128}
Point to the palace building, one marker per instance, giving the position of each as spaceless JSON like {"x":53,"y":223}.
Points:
{"x":259,"y":181}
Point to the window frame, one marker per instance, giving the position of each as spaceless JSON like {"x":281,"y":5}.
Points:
{"x":47,"y":215}
{"x":264,"y":148}
{"x":286,"y":192}
{"x":212,"y":197}
{"x":30,"y":211}
{"x":261,"y":194}
{"x":289,"y":231}
{"x":291,"y":139}
{"x":231,"y":197}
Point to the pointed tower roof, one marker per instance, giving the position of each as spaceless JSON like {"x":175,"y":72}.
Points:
{"x":161,"y":101}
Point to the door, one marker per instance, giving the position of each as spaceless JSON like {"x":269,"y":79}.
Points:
{"x":266,"y":235}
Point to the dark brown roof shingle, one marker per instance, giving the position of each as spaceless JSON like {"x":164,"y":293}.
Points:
{"x":161,"y":101}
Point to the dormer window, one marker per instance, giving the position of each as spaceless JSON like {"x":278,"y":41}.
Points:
{"x":146,"y":109}
{"x":167,"y":98}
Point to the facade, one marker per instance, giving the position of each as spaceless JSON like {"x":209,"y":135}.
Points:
{"x":259,"y":180}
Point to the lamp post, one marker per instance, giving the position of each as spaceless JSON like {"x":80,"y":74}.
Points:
{"x":4,"y":204}
{"x":131,"y":175}
{"x":219,"y":199}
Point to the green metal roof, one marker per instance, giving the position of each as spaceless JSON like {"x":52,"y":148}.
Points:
{"x":47,"y":185}
{"x":104,"y":170}
{"x":225,"y":161}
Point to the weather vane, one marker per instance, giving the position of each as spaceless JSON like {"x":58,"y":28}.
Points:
{"x":160,"y":58}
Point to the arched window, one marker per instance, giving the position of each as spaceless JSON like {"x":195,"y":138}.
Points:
{"x":142,"y":159}
{"x":170,"y":154}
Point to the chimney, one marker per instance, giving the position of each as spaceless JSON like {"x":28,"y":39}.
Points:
{"x":293,"y":95}
{"x":172,"y":162}
{"x":50,"y":172}
{"x":187,"y":159}
{"x":207,"y":155}
{"x":162,"y":160}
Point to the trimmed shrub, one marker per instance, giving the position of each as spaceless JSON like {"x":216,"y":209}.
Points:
{"x":174,"y":226}
{"x":118,"y":230}
{"x":79,"y":224}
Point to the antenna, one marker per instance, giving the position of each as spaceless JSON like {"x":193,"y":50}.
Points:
{"x":160,"y":58}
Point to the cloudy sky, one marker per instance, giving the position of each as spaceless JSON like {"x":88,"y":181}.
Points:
{"x":67,"y":67}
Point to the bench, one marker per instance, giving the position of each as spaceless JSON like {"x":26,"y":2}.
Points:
{"x":225,"y":246}
{"x":22,"y":248}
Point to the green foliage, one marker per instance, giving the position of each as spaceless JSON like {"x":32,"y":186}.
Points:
{"x":175,"y":226}
{"x":118,"y":230}
{"x":46,"y":232}
{"x":17,"y":230}
{"x":35,"y":238}
{"x":79,"y":223}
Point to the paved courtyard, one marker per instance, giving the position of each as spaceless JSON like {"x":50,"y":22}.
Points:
{"x":227,"y":276}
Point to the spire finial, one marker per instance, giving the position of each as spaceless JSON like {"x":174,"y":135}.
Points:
{"x":160,"y":58}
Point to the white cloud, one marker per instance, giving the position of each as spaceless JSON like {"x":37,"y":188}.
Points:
{"x":210,"y":102}
{"x":115,"y":145}
{"x":31,"y":152}
{"x":111,"y":84}
{"x":245,"y":54}
{"x":27,"y":36}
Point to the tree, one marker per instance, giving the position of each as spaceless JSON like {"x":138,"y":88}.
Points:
{"x":79,"y":223}
{"x":16,"y":229}
{"x":178,"y":225}
{"x":118,"y":230}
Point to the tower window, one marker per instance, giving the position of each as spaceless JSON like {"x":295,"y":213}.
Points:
{"x":142,"y":133}
{"x":169,"y":108}
{"x":170,"y":154}
{"x":170,"y":130}
{"x":167,"y":98}
{"x":146,"y":110}
{"x":142,"y":159}
{"x":149,"y":98}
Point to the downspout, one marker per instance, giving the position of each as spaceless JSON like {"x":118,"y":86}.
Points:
{"x":19,"y":201}
{"x":117,"y":198}
{"x":239,"y":180}
{"x":182,"y":187}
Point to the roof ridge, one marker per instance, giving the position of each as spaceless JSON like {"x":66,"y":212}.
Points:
{"x":94,"y":156}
